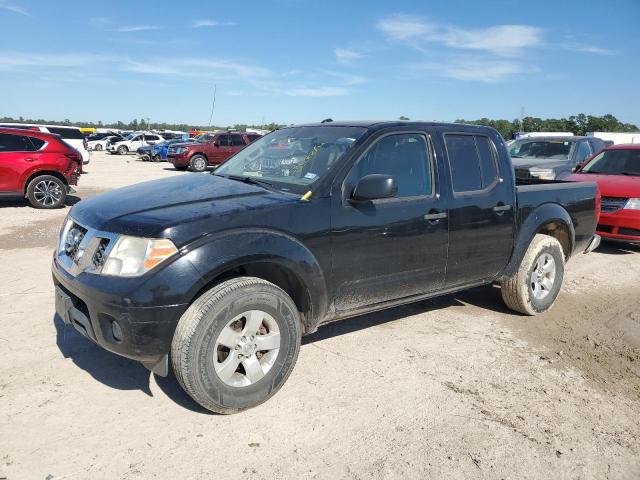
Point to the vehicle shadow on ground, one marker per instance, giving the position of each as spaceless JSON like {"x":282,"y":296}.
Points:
{"x":487,"y":297}
{"x":616,"y":248}
{"x":123,"y":374}
{"x":115,"y":371}
{"x":70,"y":201}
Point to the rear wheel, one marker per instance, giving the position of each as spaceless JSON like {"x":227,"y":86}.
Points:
{"x":198,"y":163}
{"x":535,"y":286}
{"x":156,"y":158}
{"x":47,"y":191}
{"x":97,"y":147}
{"x":122,"y":150}
{"x":236,"y":345}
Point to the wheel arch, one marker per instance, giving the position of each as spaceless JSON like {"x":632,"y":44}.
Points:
{"x":39,"y":173}
{"x":547,"y":219}
{"x":272,"y":256}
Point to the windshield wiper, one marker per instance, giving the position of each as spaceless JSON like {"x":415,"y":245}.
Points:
{"x":248,"y":180}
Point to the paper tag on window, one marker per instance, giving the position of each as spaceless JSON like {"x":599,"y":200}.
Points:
{"x":310,"y":175}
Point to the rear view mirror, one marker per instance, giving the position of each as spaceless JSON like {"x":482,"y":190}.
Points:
{"x":374,"y":187}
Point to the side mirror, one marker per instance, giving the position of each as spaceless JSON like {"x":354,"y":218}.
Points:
{"x":374,"y":187}
{"x":216,"y":144}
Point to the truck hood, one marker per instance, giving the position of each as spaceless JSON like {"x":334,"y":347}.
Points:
{"x":161,"y":208}
{"x":611,"y":185}
{"x":524,"y":163}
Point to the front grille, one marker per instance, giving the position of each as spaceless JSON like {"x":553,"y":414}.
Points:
{"x":612,"y":204}
{"x":99,"y":256}
{"x":629,"y":231}
{"x":83,"y":249}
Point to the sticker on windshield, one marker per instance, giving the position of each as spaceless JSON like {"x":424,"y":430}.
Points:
{"x":310,"y":175}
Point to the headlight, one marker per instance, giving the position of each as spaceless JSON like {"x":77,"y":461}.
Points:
{"x":180,"y":150}
{"x":133,"y":256}
{"x":632,"y":204}
{"x":543,"y":173}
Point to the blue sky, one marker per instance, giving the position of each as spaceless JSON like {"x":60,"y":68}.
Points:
{"x":294,"y":61}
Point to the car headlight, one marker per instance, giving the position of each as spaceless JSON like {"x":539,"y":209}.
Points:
{"x":180,"y":150}
{"x":632,"y":204}
{"x":133,"y":256}
{"x":543,"y":173}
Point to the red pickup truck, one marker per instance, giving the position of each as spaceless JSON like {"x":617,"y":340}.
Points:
{"x":37,"y":165}
{"x":210,"y":149}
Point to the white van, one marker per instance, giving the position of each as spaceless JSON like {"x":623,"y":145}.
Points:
{"x":71,"y":135}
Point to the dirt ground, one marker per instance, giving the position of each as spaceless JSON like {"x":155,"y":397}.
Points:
{"x":456,"y":387}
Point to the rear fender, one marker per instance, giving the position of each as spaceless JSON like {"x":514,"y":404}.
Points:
{"x":542,"y":215}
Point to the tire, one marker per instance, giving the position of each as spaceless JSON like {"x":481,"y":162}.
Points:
{"x":535,"y":286}
{"x":122,"y":150}
{"x":216,"y":319}
{"x":156,"y":158}
{"x":198,"y":163}
{"x":98,"y":147}
{"x":47,"y":192}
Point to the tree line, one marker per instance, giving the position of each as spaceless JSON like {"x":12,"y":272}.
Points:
{"x":580,"y":124}
{"x":140,"y":124}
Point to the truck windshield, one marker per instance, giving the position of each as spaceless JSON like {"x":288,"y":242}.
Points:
{"x":552,"y":149}
{"x":615,"y":162}
{"x":292,"y":159}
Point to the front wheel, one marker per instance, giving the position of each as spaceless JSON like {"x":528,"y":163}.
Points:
{"x":98,"y":147}
{"x":122,"y":150}
{"x":198,"y":163}
{"x":535,"y":286}
{"x":236,"y":345}
{"x":46,"y":191}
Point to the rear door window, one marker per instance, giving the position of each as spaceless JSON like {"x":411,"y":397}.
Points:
{"x":15,"y":143}
{"x":237,"y":140}
{"x":223,"y":141}
{"x":472,"y":160}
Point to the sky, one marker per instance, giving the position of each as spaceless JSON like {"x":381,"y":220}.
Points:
{"x":293,"y":61}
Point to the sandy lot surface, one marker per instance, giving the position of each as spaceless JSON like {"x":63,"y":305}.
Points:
{"x":455,"y":387}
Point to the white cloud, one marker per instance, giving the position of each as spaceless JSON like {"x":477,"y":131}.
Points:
{"x":136,"y":28}
{"x":346,"y":56}
{"x":204,"y":23}
{"x":484,"y":70}
{"x":504,"y":40}
{"x":13,"y":7}
{"x":346,"y":78}
{"x":574,"y":47}
{"x":316,"y":92}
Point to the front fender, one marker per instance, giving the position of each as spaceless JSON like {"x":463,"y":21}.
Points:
{"x":535,"y":220}
{"x":214,"y":254}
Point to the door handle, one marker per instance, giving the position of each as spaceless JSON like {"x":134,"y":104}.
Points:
{"x":434,"y":218}
{"x":500,"y":209}
{"x":29,"y":159}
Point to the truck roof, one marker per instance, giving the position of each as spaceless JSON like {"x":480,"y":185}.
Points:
{"x":379,"y":124}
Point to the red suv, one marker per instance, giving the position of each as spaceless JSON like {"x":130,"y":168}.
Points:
{"x":210,"y":149}
{"x":37,"y":165}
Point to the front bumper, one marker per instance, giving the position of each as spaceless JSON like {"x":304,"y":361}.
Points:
{"x":145,"y":330}
{"x":623,"y":225}
{"x":178,"y":159}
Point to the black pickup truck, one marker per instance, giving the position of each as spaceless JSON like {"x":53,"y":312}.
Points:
{"x":222,"y":273}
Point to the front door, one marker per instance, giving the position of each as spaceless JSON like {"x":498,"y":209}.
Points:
{"x":481,"y":214}
{"x":388,"y":249}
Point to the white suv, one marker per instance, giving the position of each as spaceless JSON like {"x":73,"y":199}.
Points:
{"x":133,"y":142}
{"x":71,"y":135}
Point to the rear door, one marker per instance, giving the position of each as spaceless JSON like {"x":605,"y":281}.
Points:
{"x":17,"y":155}
{"x":481,"y":215}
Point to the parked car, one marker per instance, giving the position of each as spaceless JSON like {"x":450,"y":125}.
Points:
{"x":132,"y":142}
{"x":551,"y":158}
{"x":616,"y":170}
{"x":104,"y":142}
{"x":226,"y":271}
{"x":37,"y":165}
{"x":211,"y":149}
{"x":159,"y":151}
{"x":72,"y":135}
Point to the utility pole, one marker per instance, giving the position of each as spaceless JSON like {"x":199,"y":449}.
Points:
{"x":213,"y":105}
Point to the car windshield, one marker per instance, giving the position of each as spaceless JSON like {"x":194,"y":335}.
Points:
{"x":291,"y":159}
{"x":203,"y":138}
{"x":615,"y":162}
{"x":131,"y":136}
{"x":552,"y":149}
